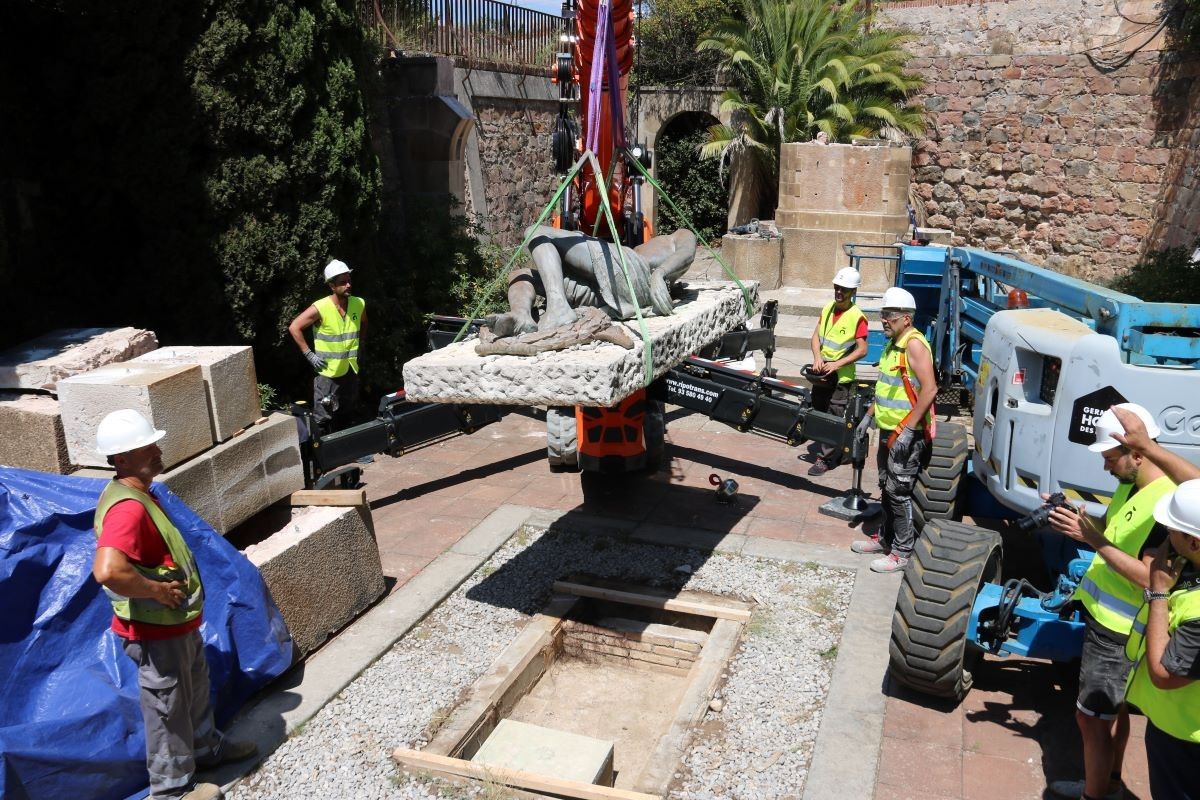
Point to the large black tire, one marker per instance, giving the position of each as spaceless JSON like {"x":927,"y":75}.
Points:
{"x":562,"y":439}
{"x":929,"y":649}
{"x":654,"y":431}
{"x":935,"y":495}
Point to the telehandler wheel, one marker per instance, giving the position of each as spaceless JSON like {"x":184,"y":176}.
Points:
{"x":562,"y":442}
{"x":935,"y":495}
{"x":654,"y":432}
{"x":929,"y":648}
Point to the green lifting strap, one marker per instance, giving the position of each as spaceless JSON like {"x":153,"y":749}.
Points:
{"x":663,"y":194}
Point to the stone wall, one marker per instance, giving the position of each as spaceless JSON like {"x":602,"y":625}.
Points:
{"x":1037,"y":146}
{"x":518,"y":171}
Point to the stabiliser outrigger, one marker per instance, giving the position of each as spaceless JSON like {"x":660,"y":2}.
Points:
{"x":750,"y":402}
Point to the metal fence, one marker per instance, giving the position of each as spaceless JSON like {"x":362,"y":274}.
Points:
{"x":475,"y":30}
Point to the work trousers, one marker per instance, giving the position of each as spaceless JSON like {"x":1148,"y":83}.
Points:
{"x":173,"y":677}
{"x":896,"y":481}
{"x":334,"y":401}
{"x":832,"y":399}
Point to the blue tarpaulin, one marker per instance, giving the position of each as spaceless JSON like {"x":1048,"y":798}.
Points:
{"x":70,"y":724}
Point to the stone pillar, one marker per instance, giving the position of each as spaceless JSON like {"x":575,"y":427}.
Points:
{"x":834,"y":194}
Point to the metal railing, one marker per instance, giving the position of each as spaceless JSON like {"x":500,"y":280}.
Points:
{"x":475,"y":30}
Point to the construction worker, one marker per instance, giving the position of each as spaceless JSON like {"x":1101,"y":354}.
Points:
{"x":1165,"y":646}
{"x":341,"y":325}
{"x":157,"y":596}
{"x":904,"y":395}
{"x":1111,"y":593}
{"x":839,"y":340}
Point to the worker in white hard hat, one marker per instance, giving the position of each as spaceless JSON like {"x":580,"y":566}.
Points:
{"x":904,"y":395}
{"x":1165,"y":646}
{"x":1110,"y":594}
{"x":839,"y":340}
{"x":151,"y":578}
{"x":340,"y":321}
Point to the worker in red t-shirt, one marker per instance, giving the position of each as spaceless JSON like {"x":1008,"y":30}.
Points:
{"x":839,"y":340}
{"x":151,"y":578}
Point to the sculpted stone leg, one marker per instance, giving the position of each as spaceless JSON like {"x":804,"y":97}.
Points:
{"x":548,"y":262}
{"x":521,"y":294}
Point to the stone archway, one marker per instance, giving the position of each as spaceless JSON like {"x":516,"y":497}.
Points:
{"x":658,"y":106}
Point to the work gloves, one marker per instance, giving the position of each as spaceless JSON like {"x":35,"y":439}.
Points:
{"x":903,"y":444}
{"x":317,"y":362}
{"x":864,"y":426}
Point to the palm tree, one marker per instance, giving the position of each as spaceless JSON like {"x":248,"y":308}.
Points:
{"x":797,"y":68}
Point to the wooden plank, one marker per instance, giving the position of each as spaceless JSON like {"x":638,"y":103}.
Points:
{"x":651,"y":601}
{"x":514,"y":777}
{"x":329,"y":497}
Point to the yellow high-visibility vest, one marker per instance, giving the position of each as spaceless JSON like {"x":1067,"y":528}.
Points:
{"x":1112,"y":600}
{"x":141,"y":609}
{"x":891,"y":401}
{"x":1173,"y":711}
{"x":837,"y":338}
{"x":335,"y":338}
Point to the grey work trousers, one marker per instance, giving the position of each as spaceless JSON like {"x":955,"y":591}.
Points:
{"x":896,"y":481}
{"x":334,"y":401}
{"x":832,"y":399}
{"x":173,"y":677}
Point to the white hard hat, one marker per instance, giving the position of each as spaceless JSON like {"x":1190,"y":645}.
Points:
{"x":335,"y":268}
{"x":125,"y":430}
{"x":1108,"y":424}
{"x":895,"y":297}
{"x":1181,"y":508}
{"x":847,"y":278}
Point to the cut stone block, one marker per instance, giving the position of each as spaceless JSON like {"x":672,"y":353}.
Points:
{"x":171,"y":397}
{"x":323,"y":570}
{"x":542,"y":751}
{"x":594,"y":374}
{"x":229,"y":380}
{"x":753,"y":258}
{"x":31,"y":433}
{"x":42,"y":362}
{"x":280,"y":439}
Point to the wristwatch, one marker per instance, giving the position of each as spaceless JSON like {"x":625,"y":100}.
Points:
{"x":1149,"y":595}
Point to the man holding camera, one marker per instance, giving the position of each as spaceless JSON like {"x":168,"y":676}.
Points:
{"x":904,"y":395}
{"x":1111,"y":594}
{"x":839,"y":340}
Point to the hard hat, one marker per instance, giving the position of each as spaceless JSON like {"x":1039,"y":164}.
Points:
{"x":1180,"y":509}
{"x":895,"y":297}
{"x":1108,"y":424}
{"x":125,"y":430}
{"x":847,"y":278}
{"x":334,"y":269}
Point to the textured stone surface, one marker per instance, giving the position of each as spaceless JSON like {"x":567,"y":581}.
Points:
{"x":322,"y":569}
{"x":591,"y":375}
{"x":42,"y":362}
{"x":171,"y":397}
{"x":229,"y":381}
{"x":280,"y":439}
{"x":753,"y":258}
{"x":31,"y":433}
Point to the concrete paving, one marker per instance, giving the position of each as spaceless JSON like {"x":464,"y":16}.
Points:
{"x":440,"y":511}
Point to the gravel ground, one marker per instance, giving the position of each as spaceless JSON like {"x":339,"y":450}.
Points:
{"x":757,"y":747}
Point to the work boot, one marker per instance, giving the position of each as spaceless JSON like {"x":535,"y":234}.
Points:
{"x":227,"y":751}
{"x":870,"y":545}
{"x":1074,"y":790}
{"x":889,"y":563}
{"x":199,"y":791}
{"x":819,"y":468}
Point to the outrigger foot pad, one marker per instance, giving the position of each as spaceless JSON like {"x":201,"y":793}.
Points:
{"x":851,"y":508}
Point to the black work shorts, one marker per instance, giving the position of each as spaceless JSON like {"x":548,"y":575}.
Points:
{"x":1103,"y":670}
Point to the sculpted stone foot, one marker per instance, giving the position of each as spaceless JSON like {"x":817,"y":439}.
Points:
{"x":512,"y":323}
{"x":557,"y":314}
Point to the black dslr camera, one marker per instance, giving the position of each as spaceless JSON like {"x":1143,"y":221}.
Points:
{"x":1041,"y":515}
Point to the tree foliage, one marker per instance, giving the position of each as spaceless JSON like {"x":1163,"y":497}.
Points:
{"x":667,"y":34}
{"x":695,"y":186}
{"x":1171,"y":275}
{"x":799,"y":67}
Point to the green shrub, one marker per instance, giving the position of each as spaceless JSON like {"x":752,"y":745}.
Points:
{"x":694,"y":185}
{"x":1164,"y":276}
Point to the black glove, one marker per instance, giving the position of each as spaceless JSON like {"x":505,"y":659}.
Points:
{"x":317,"y":362}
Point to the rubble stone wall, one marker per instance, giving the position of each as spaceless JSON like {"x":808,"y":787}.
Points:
{"x":1033,"y":146}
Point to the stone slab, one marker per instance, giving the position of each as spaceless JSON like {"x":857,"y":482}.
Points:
{"x":42,"y":362}
{"x":31,"y":433}
{"x":595,"y":374}
{"x":543,"y":751}
{"x":171,"y":397}
{"x":230,"y":382}
{"x":322,"y":570}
